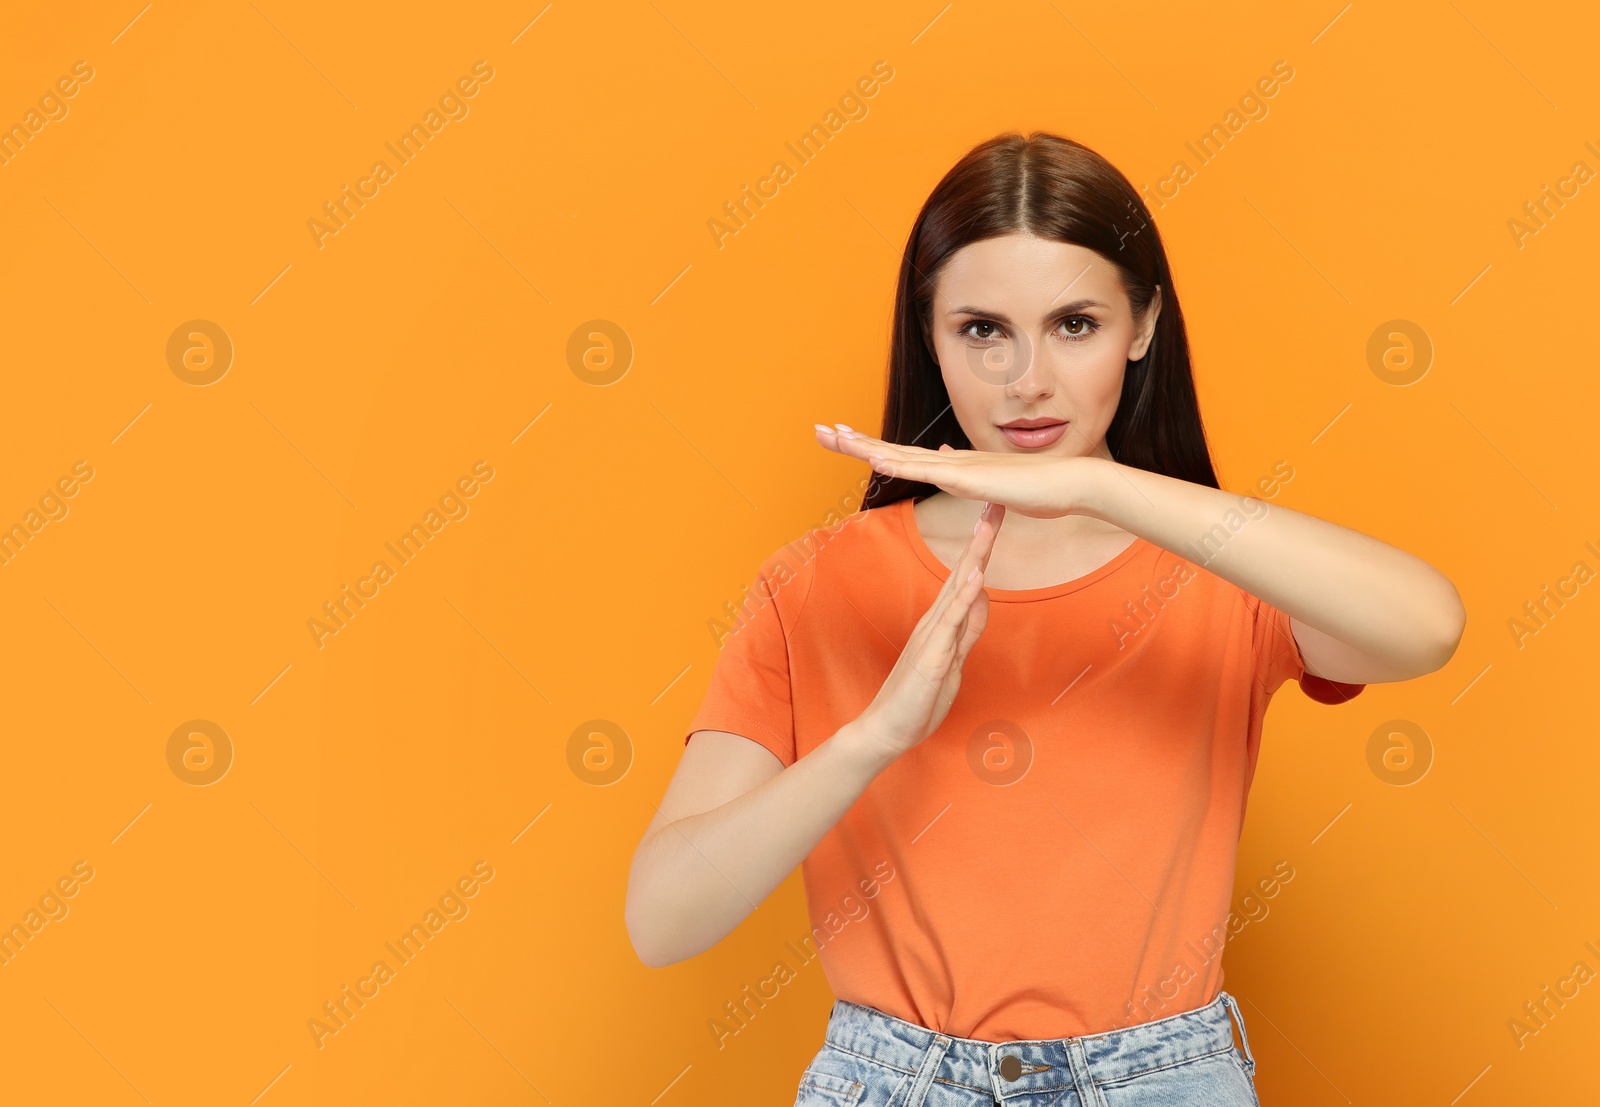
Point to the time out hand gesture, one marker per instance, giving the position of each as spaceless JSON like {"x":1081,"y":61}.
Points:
{"x":916,"y":696}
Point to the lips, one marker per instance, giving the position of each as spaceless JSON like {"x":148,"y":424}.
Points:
{"x":1033,"y":434}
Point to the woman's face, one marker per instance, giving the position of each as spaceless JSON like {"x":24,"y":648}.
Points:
{"x":1027,"y":328}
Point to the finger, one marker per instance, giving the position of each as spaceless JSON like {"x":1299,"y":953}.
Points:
{"x":963,"y":565}
{"x":951,"y":582}
{"x":977,"y":611}
{"x":984,"y":533}
{"x":979,"y":546}
{"x":969,"y":560}
{"x":863,"y":444}
{"x":941,"y":601}
{"x":956,"y":625}
{"x":893,"y":467}
{"x":850,"y":434}
{"x":974,"y":556}
{"x":856,"y":444}
{"x":977,"y":620}
{"x":860,"y":445}
{"x":941,"y":647}
{"x":996,"y":513}
{"x":930,"y":657}
{"x":869,"y":444}
{"x":942,"y":469}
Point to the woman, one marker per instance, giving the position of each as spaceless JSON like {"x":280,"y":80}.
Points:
{"x":1019,"y":855}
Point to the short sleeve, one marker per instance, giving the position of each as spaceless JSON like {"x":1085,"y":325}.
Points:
{"x":751,"y":693}
{"x":1277,"y":659}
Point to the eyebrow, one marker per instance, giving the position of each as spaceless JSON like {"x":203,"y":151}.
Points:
{"x":1001,"y":317}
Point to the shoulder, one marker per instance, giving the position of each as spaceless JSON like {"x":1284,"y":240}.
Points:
{"x":840,"y":547}
{"x":1195,"y":577}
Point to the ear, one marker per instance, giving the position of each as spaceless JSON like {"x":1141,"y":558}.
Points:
{"x":1147,"y":327}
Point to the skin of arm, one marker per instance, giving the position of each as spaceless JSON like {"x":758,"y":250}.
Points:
{"x":1362,"y":611}
{"x":718,"y":846}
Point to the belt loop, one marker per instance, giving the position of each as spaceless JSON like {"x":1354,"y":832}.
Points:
{"x":1082,"y":1079}
{"x":930,"y":1066}
{"x":1249,"y":1059}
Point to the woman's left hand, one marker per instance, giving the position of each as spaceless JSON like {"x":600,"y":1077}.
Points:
{"x":1038,"y":486}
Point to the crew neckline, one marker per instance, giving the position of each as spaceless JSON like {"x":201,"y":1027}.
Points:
{"x":908,"y":524}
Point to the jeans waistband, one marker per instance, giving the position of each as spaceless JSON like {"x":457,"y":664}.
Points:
{"x":1036,"y":1065}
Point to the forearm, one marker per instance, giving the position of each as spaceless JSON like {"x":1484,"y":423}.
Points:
{"x":698,"y":878}
{"x":1380,"y":600}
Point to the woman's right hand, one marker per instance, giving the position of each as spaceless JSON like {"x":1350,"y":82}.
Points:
{"x":917,"y":695}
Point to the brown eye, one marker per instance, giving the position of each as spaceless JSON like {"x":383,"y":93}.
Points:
{"x":1088,"y":327}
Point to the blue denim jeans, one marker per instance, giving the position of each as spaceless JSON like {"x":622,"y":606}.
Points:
{"x":871,"y":1059}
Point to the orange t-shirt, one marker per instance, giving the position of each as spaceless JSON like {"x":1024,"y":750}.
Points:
{"x":1057,"y":858}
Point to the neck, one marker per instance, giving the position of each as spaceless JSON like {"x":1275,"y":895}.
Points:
{"x":1022,"y":530}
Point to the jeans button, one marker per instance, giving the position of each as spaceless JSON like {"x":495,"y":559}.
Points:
{"x":1010,"y":1066}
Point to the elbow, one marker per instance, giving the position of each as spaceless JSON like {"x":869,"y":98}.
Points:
{"x":660,"y":938}
{"x":1451,"y":625}
{"x":642,"y":920}
{"x":649,"y":947}
{"x":635,"y":920}
{"x":645,"y":947}
{"x":647,"y":954}
{"x":1432,"y":646}
{"x":1455,"y":625}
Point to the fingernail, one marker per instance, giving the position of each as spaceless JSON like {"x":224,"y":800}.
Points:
{"x":845,"y":430}
{"x":821,"y":427}
{"x":972,"y":574}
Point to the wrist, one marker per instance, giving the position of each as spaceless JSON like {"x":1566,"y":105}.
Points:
{"x":1094,"y":485}
{"x":861,"y":746}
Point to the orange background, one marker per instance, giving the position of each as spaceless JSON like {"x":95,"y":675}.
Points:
{"x":432,"y":332}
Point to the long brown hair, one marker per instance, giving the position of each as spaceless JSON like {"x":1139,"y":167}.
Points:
{"x":1059,"y":189}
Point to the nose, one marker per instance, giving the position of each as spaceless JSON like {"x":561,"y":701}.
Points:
{"x":1030,"y":379}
